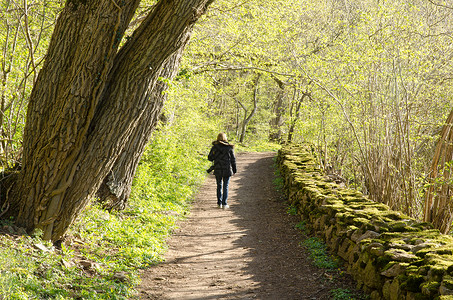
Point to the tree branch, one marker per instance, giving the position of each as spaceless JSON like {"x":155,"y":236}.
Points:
{"x":241,"y":68}
{"x":441,"y":5}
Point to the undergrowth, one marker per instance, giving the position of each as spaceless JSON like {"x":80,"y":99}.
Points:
{"x":319,"y":254}
{"x":103,"y":252}
{"x":345,"y":294}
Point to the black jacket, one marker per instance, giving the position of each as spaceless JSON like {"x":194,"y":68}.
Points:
{"x":222,"y":155}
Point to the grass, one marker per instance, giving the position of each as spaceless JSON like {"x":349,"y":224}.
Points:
{"x":319,"y":254}
{"x":302,"y":227}
{"x":292,"y":210}
{"x":346,"y":294}
{"x":32,"y":269}
{"x":103,"y":252}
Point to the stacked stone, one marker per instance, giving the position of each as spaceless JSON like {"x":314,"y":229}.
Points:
{"x":390,"y":255}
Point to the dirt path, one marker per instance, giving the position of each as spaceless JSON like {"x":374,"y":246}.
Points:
{"x":250,"y":251}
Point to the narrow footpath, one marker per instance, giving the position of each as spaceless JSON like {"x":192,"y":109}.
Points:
{"x":250,"y":251}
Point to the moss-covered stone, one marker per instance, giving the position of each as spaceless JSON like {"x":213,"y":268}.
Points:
{"x":412,"y":283}
{"x":382,"y":261}
{"x":401,"y":226}
{"x":376,"y":250}
{"x":371,"y":276}
{"x":446,"y":287}
{"x":430,"y":288}
{"x":376,"y":295}
{"x":395,"y":289}
{"x":412,"y":269}
{"x":448,"y":282}
{"x":416,"y":296}
{"x":401,"y":259}
{"x":423,"y":270}
{"x":436,"y":272}
{"x":386,"y":289}
{"x":345,"y":248}
{"x":400,"y":255}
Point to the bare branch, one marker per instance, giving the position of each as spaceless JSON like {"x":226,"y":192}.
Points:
{"x":439,"y":4}
{"x":241,"y":68}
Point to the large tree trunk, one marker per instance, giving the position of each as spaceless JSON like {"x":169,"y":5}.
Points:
{"x":88,"y":101}
{"x":116,"y":188}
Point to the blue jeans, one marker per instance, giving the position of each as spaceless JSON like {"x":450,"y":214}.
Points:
{"x":222,"y":189}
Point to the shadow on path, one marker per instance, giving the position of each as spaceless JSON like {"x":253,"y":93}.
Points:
{"x":250,"y":251}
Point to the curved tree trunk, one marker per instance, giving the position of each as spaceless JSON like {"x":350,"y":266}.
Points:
{"x":116,"y":187}
{"x":88,"y":100}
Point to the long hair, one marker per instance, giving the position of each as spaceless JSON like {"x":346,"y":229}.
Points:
{"x":221,"y":137}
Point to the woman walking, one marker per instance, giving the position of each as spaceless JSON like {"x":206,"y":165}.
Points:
{"x":222,"y":155}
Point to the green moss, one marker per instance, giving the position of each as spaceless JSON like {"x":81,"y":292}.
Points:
{"x":401,"y":226}
{"x":436,"y":272}
{"x":359,"y":222}
{"x":335,"y":205}
{"x":450,"y":269}
{"x":371,"y":276}
{"x":380,"y":224}
{"x":419,"y":296}
{"x":430,"y":288}
{"x":350,"y":199}
{"x":437,"y":254}
{"x":445,"y":297}
{"x":412,"y":283}
{"x":392,"y":215}
{"x":382,"y":261}
{"x":412,"y":269}
{"x":448,"y":282}
{"x":352,"y":228}
{"x":400,"y":235}
{"x":423,"y":226}
{"x":418,"y":262}
{"x":312,"y":191}
{"x":439,"y":261}
{"x":413,"y":237}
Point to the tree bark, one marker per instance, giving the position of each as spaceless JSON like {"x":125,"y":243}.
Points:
{"x":88,"y":101}
{"x":279,"y":110}
{"x":295,"y":115}
{"x":247,"y":119}
{"x":116,"y":187}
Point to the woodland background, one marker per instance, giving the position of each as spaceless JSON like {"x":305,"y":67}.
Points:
{"x":367,"y":83}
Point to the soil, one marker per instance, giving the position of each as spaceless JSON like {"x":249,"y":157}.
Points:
{"x":250,"y":251}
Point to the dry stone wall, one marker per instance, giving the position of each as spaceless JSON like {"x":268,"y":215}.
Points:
{"x":390,"y":255}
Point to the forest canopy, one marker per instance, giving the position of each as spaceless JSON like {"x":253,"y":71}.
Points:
{"x":367,"y":83}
